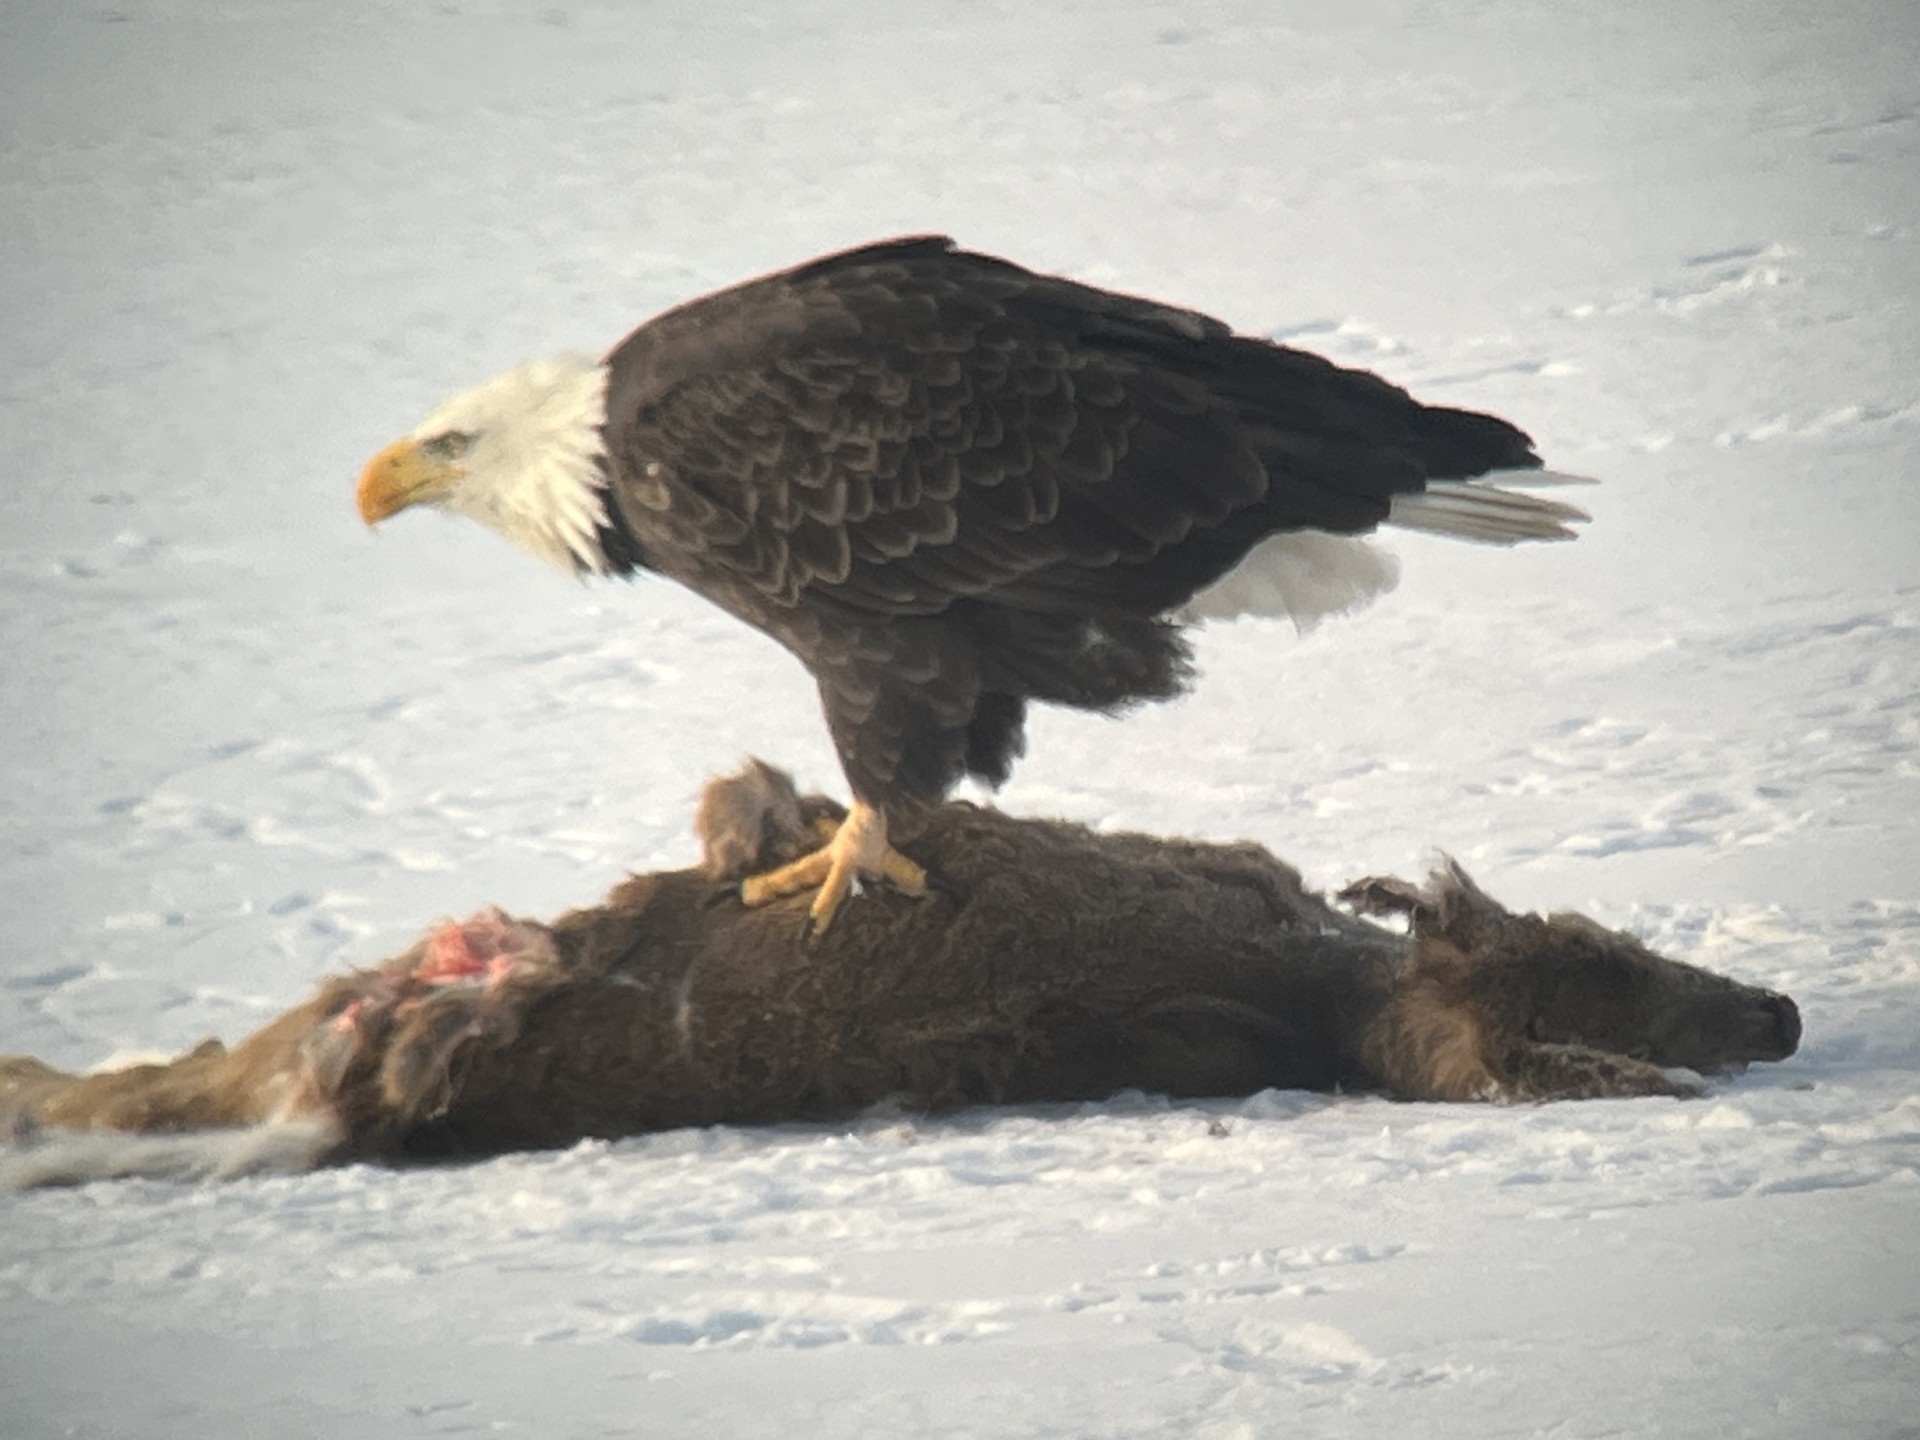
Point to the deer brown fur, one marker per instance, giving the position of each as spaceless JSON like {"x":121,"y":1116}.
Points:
{"x":1055,"y":964}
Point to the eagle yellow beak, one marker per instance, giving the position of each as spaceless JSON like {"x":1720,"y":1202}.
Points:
{"x":403,"y":474}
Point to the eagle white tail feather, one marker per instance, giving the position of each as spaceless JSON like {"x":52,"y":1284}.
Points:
{"x":1303,"y":576}
{"x":1479,"y":510}
{"x":1539,"y":479}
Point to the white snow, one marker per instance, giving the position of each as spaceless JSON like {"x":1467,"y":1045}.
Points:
{"x":242,"y":744}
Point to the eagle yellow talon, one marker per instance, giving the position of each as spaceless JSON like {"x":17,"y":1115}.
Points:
{"x":857,"y":847}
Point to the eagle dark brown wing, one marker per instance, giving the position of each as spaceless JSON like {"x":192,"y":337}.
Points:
{"x":950,"y":485}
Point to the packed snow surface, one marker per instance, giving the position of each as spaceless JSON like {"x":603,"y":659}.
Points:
{"x":242,"y":744}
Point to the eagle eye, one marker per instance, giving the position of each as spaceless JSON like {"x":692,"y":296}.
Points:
{"x":448,"y":446}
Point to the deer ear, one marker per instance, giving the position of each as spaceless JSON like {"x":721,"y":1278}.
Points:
{"x":1464,"y":913}
{"x":743,"y":818}
{"x":757,"y":819}
{"x":1450,"y":904}
{"x":1388,"y":895}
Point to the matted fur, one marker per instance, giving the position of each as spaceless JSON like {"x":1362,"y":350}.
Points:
{"x":1053,"y":964}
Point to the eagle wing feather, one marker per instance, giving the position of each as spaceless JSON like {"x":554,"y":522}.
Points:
{"x":879,"y":451}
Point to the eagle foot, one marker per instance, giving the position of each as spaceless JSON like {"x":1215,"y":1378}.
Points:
{"x":857,"y":850}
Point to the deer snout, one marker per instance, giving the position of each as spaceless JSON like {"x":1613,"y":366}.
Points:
{"x":1776,"y":1025}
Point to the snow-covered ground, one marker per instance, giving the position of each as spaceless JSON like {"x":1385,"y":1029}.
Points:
{"x":242,"y":744}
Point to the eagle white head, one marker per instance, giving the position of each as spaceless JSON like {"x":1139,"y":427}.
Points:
{"x":523,"y":454}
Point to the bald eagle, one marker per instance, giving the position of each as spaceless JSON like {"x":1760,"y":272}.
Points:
{"x":949,"y":486}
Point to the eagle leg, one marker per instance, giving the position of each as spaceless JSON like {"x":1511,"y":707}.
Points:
{"x":857,"y":848}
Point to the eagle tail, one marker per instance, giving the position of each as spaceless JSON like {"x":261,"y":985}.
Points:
{"x":1482,"y":510}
